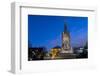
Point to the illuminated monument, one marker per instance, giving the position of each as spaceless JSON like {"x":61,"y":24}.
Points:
{"x":65,"y":51}
{"x":66,"y":47}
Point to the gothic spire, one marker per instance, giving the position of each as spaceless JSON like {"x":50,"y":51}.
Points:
{"x":65,"y":28}
{"x":65,"y":25}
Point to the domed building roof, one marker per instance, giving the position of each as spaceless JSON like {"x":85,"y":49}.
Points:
{"x":56,"y":47}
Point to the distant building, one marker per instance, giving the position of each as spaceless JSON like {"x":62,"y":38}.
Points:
{"x":80,"y":50}
{"x":36,"y":53}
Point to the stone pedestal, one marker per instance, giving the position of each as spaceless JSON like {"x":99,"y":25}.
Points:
{"x":67,"y":56}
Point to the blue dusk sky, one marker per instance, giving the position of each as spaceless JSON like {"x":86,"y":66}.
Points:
{"x":46,"y":31}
